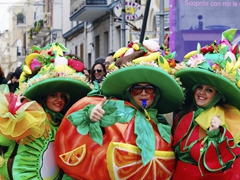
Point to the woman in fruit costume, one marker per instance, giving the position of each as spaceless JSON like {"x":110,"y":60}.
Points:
{"x":49,"y":85}
{"x":207,"y":130}
{"x":121,"y":134}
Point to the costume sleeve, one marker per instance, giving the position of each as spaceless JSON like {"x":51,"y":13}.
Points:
{"x":20,"y":121}
{"x":219,"y":151}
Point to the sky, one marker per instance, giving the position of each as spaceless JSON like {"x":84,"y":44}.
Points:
{"x":4,"y":16}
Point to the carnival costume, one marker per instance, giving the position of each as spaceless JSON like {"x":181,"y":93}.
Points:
{"x":200,"y":153}
{"x":129,"y":142}
{"x":28,"y":127}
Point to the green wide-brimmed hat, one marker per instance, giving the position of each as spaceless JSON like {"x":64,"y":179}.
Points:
{"x":55,"y":73}
{"x":171,"y":94}
{"x":145,"y":62}
{"x":217,"y":67}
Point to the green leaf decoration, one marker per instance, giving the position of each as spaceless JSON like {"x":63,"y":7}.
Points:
{"x":143,"y":48}
{"x":96,"y":90}
{"x":47,"y":46}
{"x":145,"y":137}
{"x":35,"y":48}
{"x":224,"y":50}
{"x":229,"y":34}
{"x":164,"y":128}
{"x":96,"y":133}
{"x":63,"y":47}
{"x":205,"y":65}
{"x":161,"y":60}
{"x":114,"y":112}
{"x":128,"y":113}
{"x":198,"y":48}
{"x":214,"y":57}
{"x":222,"y":63}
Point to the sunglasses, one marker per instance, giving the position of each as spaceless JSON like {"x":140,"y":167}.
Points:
{"x":98,"y":70}
{"x":137,"y":89}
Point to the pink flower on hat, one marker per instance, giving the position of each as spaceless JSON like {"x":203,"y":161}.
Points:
{"x":195,"y":60}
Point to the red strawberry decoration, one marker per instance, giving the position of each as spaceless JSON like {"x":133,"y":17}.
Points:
{"x":77,"y":65}
{"x":172,"y":63}
{"x":207,"y":49}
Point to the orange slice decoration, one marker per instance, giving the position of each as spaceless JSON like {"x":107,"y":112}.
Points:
{"x":74,"y":157}
{"x":124,"y":162}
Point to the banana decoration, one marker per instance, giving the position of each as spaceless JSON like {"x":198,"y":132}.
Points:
{"x":120,"y":52}
{"x":22,"y":78}
{"x":237,"y":64}
{"x":190,"y":54}
{"x":26,"y":69}
{"x":152,"y":57}
{"x":229,"y":66}
{"x":30,"y":57}
{"x":163,"y":63}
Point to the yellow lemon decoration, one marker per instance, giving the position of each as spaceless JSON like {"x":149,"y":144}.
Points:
{"x":74,"y":157}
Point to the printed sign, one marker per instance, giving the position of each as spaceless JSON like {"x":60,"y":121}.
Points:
{"x":203,"y":21}
{"x":132,"y":11}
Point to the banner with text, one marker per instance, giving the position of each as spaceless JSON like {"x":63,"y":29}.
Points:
{"x":201,"y":21}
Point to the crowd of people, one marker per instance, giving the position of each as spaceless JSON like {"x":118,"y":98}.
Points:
{"x":57,"y":124}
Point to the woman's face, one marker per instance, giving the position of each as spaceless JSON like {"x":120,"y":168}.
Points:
{"x":98,"y":71}
{"x":203,"y":95}
{"x":56,"y":101}
{"x":143,"y":92}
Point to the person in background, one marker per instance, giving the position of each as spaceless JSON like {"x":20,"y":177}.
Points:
{"x":14,"y":82}
{"x":206,"y":131}
{"x":3,"y":80}
{"x":87,"y":74}
{"x":9,"y":76}
{"x":109,"y":60}
{"x":98,"y":72}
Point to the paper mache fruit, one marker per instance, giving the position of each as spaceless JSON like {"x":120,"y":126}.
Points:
{"x":117,"y":158}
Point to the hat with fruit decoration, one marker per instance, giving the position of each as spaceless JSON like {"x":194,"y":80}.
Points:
{"x":48,"y":70}
{"x":144,"y":62}
{"x":216,"y":65}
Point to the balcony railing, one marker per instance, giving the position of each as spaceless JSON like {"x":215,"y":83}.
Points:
{"x":78,"y":4}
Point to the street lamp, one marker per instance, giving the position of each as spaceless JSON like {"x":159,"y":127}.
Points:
{"x":54,"y":36}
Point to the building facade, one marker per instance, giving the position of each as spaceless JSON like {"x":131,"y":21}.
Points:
{"x":88,"y":28}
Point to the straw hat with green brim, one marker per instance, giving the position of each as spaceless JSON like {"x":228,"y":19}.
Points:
{"x":218,"y":68}
{"x":171,"y":94}
{"x":194,"y":76}
{"x":51,"y":72}
{"x":74,"y":88}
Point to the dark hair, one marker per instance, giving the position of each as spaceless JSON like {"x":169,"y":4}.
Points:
{"x":15,"y":74}
{"x":1,"y":72}
{"x":100,"y":59}
{"x":92,"y":70}
{"x":111,"y":54}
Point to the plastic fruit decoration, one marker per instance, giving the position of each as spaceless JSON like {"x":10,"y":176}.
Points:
{"x":118,"y":157}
